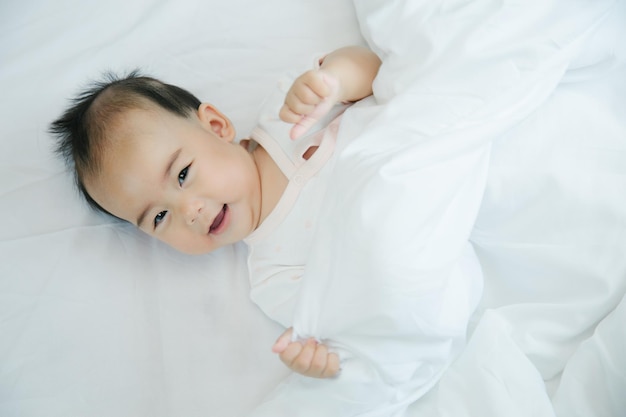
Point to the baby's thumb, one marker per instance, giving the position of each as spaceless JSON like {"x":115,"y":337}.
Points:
{"x":283,"y":341}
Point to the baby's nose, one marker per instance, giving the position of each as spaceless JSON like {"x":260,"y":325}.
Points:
{"x":191,"y":210}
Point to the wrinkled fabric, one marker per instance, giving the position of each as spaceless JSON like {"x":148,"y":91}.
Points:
{"x":392,"y":282}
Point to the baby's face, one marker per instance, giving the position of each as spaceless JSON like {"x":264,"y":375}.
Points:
{"x":183,"y":181}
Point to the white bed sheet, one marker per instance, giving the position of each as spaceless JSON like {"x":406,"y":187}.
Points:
{"x":98,"y":320}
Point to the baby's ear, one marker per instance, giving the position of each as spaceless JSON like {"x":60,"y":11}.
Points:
{"x":216,"y":121}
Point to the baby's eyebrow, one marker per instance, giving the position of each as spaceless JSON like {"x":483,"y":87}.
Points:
{"x":142,"y":216}
{"x":170,"y":164}
{"x":166,"y":174}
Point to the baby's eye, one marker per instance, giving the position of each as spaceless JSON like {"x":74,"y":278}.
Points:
{"x":182,"y":175}
{"x":159,"y":218}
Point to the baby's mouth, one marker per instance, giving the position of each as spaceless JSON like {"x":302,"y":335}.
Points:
{"x":219,"y":220}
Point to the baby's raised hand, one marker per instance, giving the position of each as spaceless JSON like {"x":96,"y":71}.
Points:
{"x":310,"y":97}
{"x":309,"y":358}
{"x":345,"y":74}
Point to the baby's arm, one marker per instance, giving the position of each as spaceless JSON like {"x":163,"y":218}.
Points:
{"x":346,"y":74}
{"x":308,"y":358}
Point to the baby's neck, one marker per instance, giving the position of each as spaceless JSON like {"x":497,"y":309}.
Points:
{"x":273,"y":181}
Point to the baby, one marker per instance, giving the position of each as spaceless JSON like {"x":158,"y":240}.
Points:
{"x":153,"y":155}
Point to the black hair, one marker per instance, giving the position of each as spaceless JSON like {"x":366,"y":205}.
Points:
{"x":81,"y":132}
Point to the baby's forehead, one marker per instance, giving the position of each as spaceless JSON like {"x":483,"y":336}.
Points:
{"x":130,"y":121}
{"x":126,"y":130}
{"x":138,"y":115}
{"x":140,"y":127}
{"x":134,"y":120}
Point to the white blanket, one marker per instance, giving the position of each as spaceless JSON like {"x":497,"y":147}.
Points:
{"x":390,"y":283}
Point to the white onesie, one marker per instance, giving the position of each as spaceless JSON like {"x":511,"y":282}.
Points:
{"x":278,"y":248}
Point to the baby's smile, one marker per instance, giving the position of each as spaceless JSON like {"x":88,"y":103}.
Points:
{"x":221,"y":221}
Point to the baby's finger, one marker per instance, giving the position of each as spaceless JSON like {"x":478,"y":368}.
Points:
{"x":288,"y":115}
{"x":298,"y":106}
{"x":319,"y":361}
{"x":291,"y":352}
{"x":309,"y":120}
{"x":283,"y":341}
{"x":305,"y":94}
{"x":302,"y":362}
{"x":332,"y":365}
